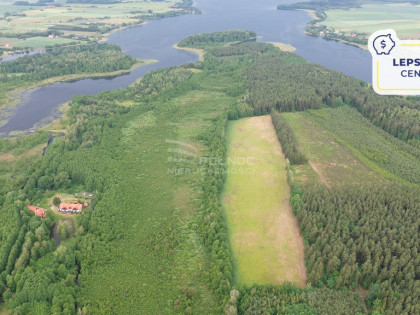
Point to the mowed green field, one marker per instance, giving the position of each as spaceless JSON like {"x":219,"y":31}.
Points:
{"x":404,"y":18}
{"x":265,"y":238}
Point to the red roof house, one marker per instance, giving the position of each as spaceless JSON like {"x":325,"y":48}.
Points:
{"x":37,"y":211}
{"x":74,"y":207}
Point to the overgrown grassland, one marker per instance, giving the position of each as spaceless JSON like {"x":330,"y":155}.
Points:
{"x":392,"y":158}
{"x":329,"y":161}
{"x":266,"y":242}
{"x":20,"y":153}
{"x":403,"y":17}
{"x":158,"y":256}
{"x":157,"y":264}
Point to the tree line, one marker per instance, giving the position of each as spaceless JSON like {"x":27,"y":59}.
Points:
{"x":363,"y":236}
{"x":287,"y":138}
{"x":286,"y":82}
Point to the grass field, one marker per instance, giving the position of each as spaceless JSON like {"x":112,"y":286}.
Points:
{"x":41,"y":42}
{"x":329,"y":162}
{"x":403,"y":17}
{"x":23,"y":19}
{"x":265,"y":238}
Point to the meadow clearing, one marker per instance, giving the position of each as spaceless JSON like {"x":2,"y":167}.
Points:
{"x":329,"y":162}
{"x":402,"y":17}
{"x":343,"y":148}
{"x":266,"y":242}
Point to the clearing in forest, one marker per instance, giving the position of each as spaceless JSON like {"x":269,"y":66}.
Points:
{"x":267,"y":245}
{"x":328,"y":161}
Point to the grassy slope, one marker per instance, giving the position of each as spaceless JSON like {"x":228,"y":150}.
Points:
{"x":375,"y":16}
{"x":265,"y":238}
{"x":336,"y":163}
{"x":149,"y":281}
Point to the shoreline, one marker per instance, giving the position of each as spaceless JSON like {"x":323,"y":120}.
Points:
{"x":200,"y":52}
{"x":14,"y":97}
{"x":105,"y":36}
{"x":283,"y":47}
{"x":314,"y":17}
{"x":364,"y":47}
{"x":311,"y":13}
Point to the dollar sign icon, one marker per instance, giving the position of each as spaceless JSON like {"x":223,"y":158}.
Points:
{"x":383,"y":44}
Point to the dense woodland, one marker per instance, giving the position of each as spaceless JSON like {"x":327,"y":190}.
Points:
{"x":287,"y":138}
{"x":363,"y":236}
{"x":289,"y":300}
{"x":286,"y":82}
{"x":242,"y":49}
{"x":206,"y":39}
{"x":356,"y":238}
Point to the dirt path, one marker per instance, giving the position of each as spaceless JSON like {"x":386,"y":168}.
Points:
{"x":320,"y":175}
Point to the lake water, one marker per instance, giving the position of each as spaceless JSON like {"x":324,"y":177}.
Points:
{"x":18,"y":55}
{"x":154,"y":40}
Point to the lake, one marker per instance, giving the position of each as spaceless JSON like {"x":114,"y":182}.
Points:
{"x":155,"y":39}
